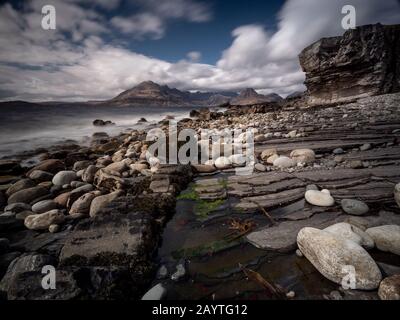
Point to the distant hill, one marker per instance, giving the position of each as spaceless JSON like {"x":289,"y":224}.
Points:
{"x":250,"y":96}
{"x":149,"y":93}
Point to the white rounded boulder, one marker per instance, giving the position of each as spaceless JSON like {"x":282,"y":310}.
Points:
{"x":332,"y":256}
{"x":319,"y":198}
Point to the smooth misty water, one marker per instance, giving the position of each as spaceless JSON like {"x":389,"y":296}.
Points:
{"x":24,"y":128}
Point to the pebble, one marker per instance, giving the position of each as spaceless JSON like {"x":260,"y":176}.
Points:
{"x":64,"y":178}
{"x":365,"y":147}
{"x":44,"y":206}
{"x":354,"y":207}
{"x":338,"y":151}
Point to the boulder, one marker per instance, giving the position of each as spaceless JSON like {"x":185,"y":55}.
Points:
{"x":389,"y":289}
{"x":64,"y":177}
{"x":347,"y":231}
{"x":387,"y":238}
{"x":44,"y":220}
{"x":332,"y":255}
{"x":27,"y":195}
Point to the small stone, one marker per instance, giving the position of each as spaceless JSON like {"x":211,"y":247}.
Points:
{"x":319,"y":198}
{"x":354,"y":207}
{"x":356,"y":164}
{"x":298,"y":253}
{"x":54,"y":228}
{"x":44,"y":206}
{"x":292,"y":134}
{"x":338,"y":159}
{"x":389,"y":289}
{"x":338,"y":151}
{"x":64,"y":177}
{"x":290,"y":295}
{"x":365,"y":147}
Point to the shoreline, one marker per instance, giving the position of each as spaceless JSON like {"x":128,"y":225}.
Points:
{"x":104,"y":208}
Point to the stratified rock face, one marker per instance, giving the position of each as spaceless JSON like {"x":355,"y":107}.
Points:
{"x":363,"y":62}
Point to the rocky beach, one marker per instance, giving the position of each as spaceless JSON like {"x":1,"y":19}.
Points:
{"x":321,"y":209}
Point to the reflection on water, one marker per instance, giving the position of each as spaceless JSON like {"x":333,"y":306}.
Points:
{"x":29,"y":127}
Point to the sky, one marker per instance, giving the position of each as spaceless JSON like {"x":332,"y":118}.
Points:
{"x":103,"y":47}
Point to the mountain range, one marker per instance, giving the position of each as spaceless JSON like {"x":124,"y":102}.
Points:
{"x":149,"y":93}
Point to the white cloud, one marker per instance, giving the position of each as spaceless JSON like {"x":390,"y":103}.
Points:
{"x":74,"y":63}
{"x":140,"y":25}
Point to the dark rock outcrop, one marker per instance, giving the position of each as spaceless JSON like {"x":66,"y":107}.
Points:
{"x":363,"y":62}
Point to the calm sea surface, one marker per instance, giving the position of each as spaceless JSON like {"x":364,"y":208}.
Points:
{"x":24,"y":128}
